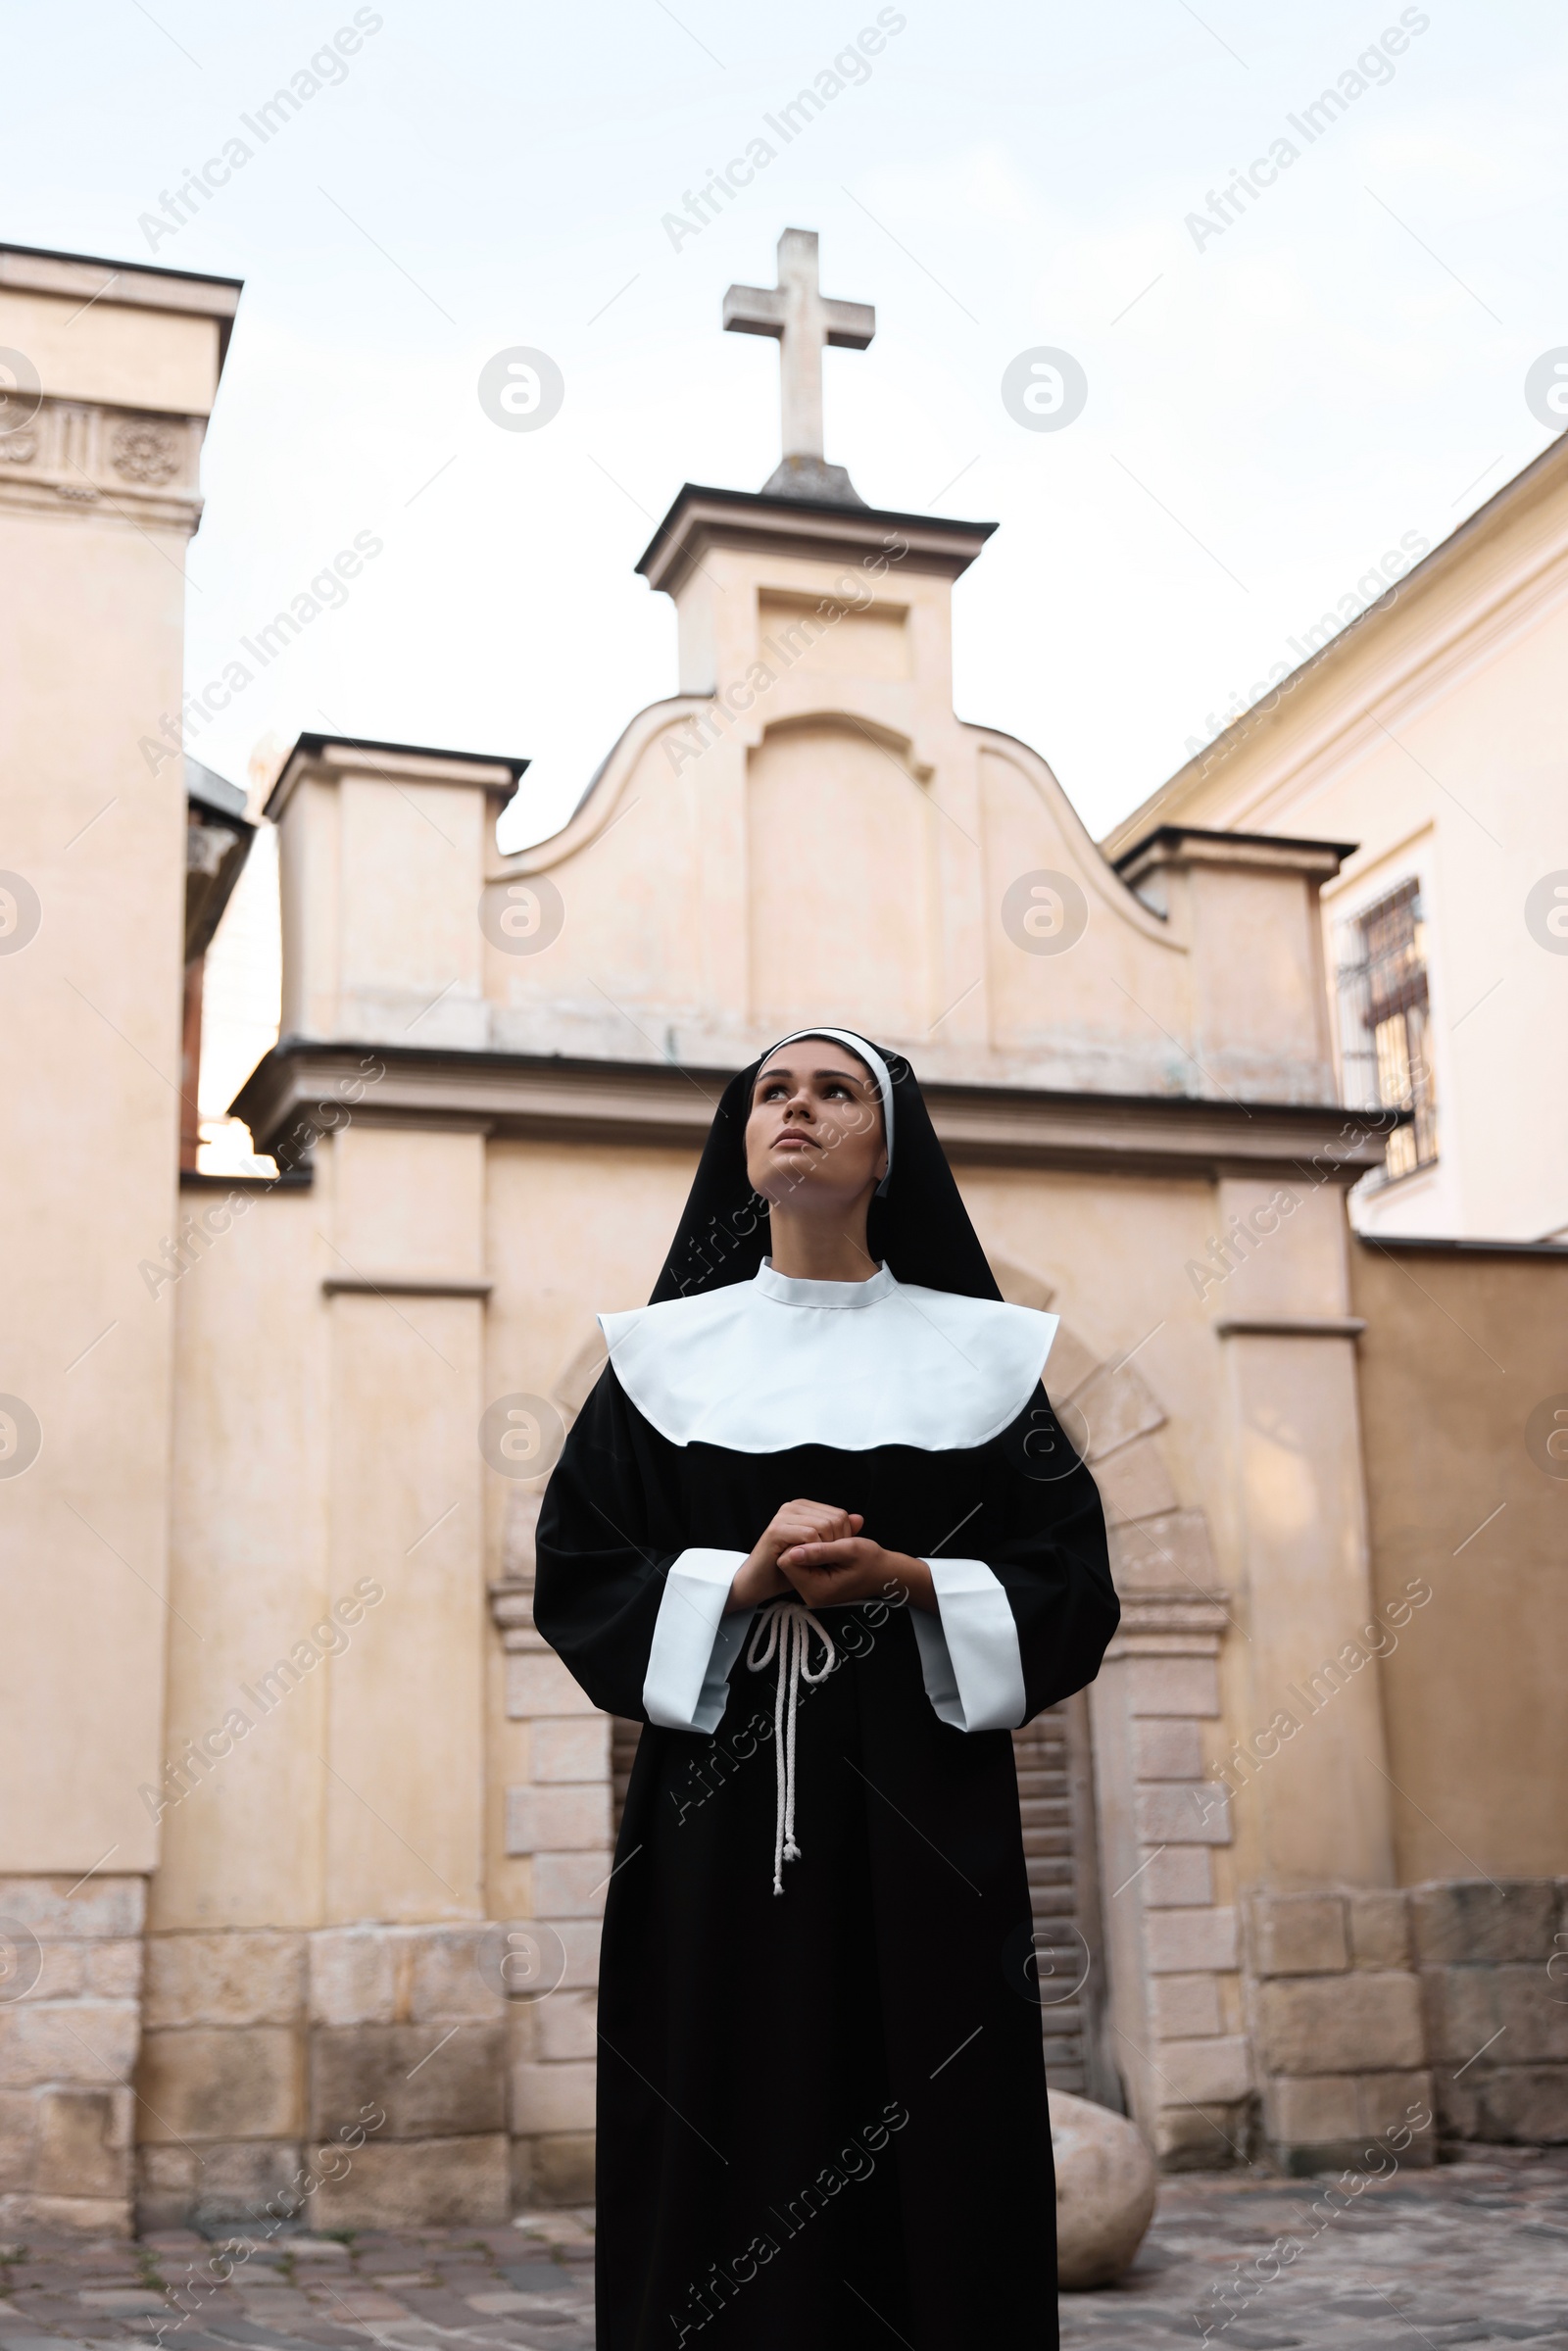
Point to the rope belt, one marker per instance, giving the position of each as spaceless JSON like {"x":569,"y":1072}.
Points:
{"x":784,"y":1629}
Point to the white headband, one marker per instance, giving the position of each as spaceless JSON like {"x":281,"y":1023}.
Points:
{"x":874,"y":1064}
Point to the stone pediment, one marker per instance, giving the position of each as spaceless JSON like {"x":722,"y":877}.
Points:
{"x":804,"y":831}
{"x":807,"y":831}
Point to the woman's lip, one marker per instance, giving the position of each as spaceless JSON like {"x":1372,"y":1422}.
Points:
{"x":793,"y":1137}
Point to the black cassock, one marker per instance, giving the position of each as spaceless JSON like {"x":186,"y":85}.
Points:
{"x":822,"y":2115}
{"x":825,"y":2110}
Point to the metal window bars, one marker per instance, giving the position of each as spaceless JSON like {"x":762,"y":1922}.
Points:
{"x":1385,"y":1022}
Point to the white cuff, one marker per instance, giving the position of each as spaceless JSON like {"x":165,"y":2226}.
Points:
{"x":969,"y":1653}
{"x":695,"y":1643}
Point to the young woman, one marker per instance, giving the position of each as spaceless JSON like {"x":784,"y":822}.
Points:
{"x":818,"y":1529}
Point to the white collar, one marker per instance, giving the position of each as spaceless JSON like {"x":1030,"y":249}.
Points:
{"x":836,"y":1297}
{"x":761,"y":1366}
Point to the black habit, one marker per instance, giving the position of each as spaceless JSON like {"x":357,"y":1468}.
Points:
{"x":822,"y":2115}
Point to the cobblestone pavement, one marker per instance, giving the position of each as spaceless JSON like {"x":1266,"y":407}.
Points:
{"x":1468,"y":2252}
{"x":1471,"y":2252}
{"x":405,"y":2289}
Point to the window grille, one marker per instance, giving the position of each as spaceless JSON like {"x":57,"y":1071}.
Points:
{"x":1385,"y":1022}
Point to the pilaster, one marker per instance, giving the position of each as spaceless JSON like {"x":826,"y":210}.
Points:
{"x":110,"y":372}
{"x":1170,"y":1910}
{"x":558,"y":1819}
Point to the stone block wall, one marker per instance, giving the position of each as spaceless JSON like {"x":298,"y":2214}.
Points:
{"x":1176,"y":2026}
{"x":71,"y":1983}
{"x":1366,"y":2008}
{"x":559,"y":1817}
{"x":174,"y":2078}
{"x":1189,"y":1931}
{"x":1493,"y":1967}
{"x":1335,"y":2009}
{"x":191,"y":2076}
{"x":261,"y":2048}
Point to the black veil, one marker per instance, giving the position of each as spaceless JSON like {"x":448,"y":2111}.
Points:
{"x":920,"y":1225}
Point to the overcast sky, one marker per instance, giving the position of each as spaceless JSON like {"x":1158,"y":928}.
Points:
{"x":1273,"y":403}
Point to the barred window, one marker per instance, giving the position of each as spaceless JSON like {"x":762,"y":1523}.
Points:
{"x":1384,"y":1023}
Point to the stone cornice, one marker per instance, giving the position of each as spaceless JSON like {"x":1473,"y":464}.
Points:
{"x":701,"y":519}
{"x":329,"y":758}
{"x":403,"y":1285}
{"x":1289,"y":1326}
{"x":1197,"y":845}
{"x":303,"y":1084}
{"x":85,"y":279}
{"x":1169,"y":1625}
{"x":512,"y":1614}
{"x":81,"y":457}
{"x":1436,"y":1244}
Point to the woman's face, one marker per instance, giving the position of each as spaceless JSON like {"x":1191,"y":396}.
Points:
{"x":813,"y":1136}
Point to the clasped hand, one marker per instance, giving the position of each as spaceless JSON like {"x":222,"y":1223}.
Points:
{"x":819,"y":1552}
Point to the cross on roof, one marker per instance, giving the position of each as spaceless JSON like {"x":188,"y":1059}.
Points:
{"x":802,"y":319}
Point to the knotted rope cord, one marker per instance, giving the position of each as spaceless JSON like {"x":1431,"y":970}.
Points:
{"x":784,"y":1629}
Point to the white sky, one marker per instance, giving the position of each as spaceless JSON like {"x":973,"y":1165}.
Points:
{"x":1343,"y":367}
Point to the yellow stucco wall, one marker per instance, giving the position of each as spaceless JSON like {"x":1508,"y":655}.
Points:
{"x":1459,"y":1352}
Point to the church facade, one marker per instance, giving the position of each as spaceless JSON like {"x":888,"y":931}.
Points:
{"x":303,"y":1900}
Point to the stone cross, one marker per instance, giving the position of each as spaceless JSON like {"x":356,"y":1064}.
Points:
{"x":802,"y":320}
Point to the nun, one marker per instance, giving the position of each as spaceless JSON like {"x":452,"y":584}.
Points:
{"x":818,"y":1529}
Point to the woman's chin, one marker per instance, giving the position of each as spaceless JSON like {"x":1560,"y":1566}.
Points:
{"x":780,"y":1174}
